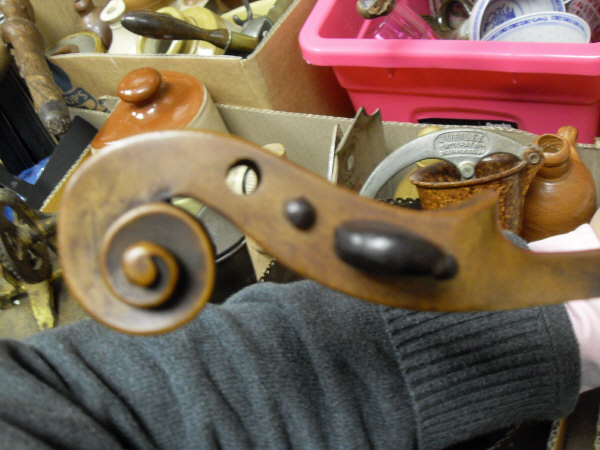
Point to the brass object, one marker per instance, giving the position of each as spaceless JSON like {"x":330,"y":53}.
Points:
{"x":40,"y":296}
{"x":106,"y":211}
{"x":406,"y":189}
{"x":26,"y":241}
{"x":28,"y":257}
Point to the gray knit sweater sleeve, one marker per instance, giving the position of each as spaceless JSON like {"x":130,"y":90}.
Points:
{"x":289,"y":366}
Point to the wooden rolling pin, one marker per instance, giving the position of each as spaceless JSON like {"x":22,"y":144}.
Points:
{"x":17,"y":29}
{"x":162,"y":26}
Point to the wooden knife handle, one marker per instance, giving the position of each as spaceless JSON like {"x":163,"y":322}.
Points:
{"x":162,"y":26}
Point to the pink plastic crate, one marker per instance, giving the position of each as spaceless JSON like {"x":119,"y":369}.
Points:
{"x":537,"y":87}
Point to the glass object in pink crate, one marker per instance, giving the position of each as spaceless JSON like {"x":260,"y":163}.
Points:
{"x":401,"y":23}
{"x":588,"y":10}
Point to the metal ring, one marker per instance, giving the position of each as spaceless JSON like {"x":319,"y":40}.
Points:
{"x":456,"y":145}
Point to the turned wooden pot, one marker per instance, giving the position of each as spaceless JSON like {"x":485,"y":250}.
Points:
{"x":562,"y":195}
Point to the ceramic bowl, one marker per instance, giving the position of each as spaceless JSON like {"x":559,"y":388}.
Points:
{"x":205,"y":18}
{"x":159,"y":46}
{"x":550,"y":26}
{"x":80,"y":42}
{"x":258,"y":7}
{"x":488,"y":14}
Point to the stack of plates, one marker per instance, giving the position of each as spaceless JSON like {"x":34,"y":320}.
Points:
{"x":526,"y":21}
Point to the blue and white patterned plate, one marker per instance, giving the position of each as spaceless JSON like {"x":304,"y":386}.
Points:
{"x":488,"y":14}
{"x":552,"y":26}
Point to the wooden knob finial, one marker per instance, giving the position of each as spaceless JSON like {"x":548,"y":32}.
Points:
{"x":139,"y":85}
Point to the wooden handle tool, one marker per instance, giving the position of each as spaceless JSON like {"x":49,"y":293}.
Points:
{"x":162,"y":26}
{"x":17,"y":29}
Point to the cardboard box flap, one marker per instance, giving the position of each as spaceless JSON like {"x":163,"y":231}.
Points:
{"x":274,"y":76}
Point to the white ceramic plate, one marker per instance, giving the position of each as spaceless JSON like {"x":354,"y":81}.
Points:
{"x":258,"y":7}
{"x":488,"y":14}
{"x":551,"y":26}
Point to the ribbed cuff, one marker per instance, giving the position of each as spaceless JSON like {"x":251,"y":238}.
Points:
{"x":471,"y":373}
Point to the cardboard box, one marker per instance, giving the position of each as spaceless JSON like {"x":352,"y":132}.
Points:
{"x":313,"y":150}
{"x":274,"y":76}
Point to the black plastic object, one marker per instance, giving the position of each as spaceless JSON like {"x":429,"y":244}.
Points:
{"x":24,"y":139}
{"x":385,"y":249}
{"x":66,"y":153}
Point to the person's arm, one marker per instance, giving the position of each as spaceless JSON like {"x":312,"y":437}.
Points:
{"x":294,"y":365}
{"x":470,"y":373}
{"x":275,"y":367}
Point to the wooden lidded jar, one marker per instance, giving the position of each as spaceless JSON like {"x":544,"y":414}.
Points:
{"x":155,"y":101}
{"x":562,"y":195}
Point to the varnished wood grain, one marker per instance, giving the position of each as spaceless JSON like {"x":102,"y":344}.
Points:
{"x":492,"y":273}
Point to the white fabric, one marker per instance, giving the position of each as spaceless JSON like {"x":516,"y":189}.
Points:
{"x":584,"y":314}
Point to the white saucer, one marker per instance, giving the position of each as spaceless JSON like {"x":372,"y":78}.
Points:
{"x":488,"y":14}
{"x":552,"y":26}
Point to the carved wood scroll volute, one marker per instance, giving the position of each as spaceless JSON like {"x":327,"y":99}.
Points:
{"x":115,"y":222}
